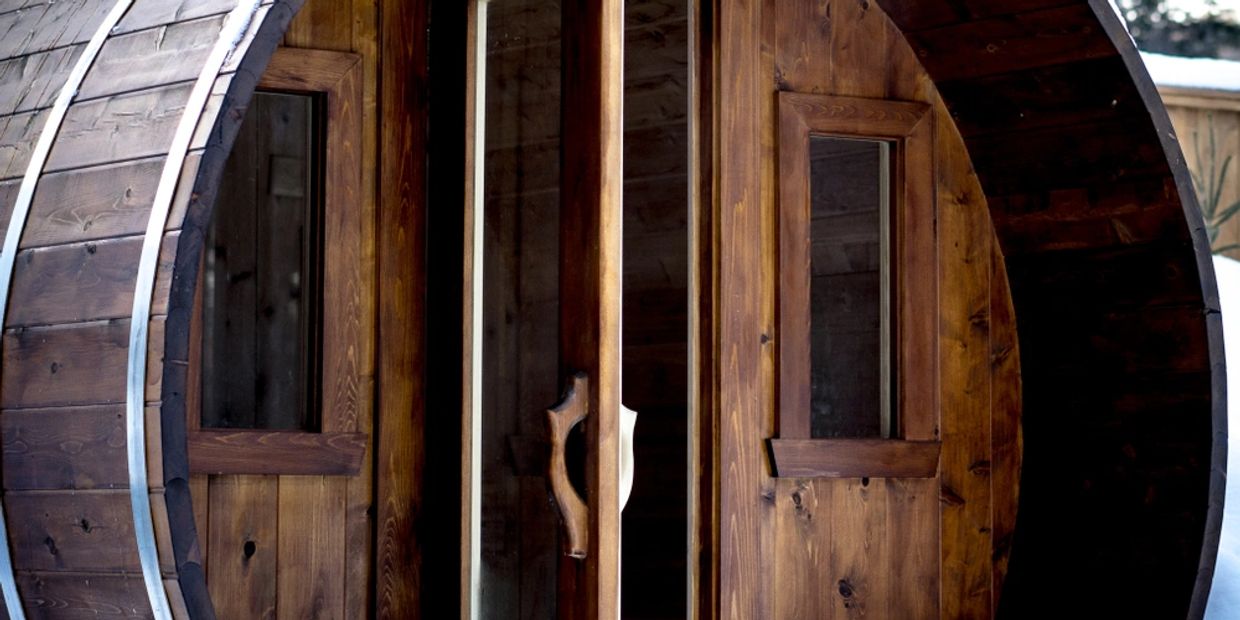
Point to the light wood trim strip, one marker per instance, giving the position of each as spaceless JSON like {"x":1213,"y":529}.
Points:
{"x":471,"y":310}
{"x":13,"y":234}
{"x":235,"y":27}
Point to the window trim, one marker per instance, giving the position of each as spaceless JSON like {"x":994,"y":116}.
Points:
{"x":909,"y":127}
{"x":337,"y":448}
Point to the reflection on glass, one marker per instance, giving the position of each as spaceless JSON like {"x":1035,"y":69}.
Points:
{"x":851,"y":383}
{"x":260,"y":280}
{"x":520,"y":531}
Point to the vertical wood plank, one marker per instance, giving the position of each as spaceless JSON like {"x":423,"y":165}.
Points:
{"x":1006,"y":441}
{"x":311,"y":543}
{"x":964,"y":363}
{"x":590,"y":271}
{"x":243,"y":546}
{"x":400,"y":442}
{"x":359,"y":522}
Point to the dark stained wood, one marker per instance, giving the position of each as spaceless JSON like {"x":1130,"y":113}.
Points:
{"x":83,"y":449}
{"x":1013,"y":42}
{"x":83,"y":596}
{"x":276,"y":453}
{"x":855,"y":458}
{"x":110,"y":200}
{"x":401,"y":210}
{"x":84,"y":281}
{"x":82,"y":364}
{"x":73,"y":531}
{"x":590,"y":294}
{"x":90,"y":135}
{"x":1005,"y":433}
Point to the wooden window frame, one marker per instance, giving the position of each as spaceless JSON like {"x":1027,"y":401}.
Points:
{"x":337,"y":448}
{"x":909,"y":128}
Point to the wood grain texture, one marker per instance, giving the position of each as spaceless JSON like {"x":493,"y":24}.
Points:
{"x":83,"y":282}
{"x":95,"y":203}
{"x":855,"y":458}
{"x":401,"y":277}
{"x":73,"y":531}
{"x":1005,"y":422}
{"x":313,"y":542}
{"x":276,"y":453}
{"x":84,"y":448}
{"x":83,"y":596}
{"x":243,"y":545}
{"x":81,"y":364}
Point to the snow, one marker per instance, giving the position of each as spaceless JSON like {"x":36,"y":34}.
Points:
{"x":1224,"y":603}
{"x":1199,"y":73}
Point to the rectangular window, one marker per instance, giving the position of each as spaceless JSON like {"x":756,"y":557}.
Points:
{"x":280,"y":334}
{"x":850,"y":298}
{"x":261,"y":295}
{"x":858,"y":289}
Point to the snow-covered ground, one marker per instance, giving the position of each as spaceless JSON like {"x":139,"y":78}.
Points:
{"x":1202,"y":73}
{"x":1224,"y":603}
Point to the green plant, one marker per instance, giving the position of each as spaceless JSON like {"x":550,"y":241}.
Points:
{"x":1209,"y":186}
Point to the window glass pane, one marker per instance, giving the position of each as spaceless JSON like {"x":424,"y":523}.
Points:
{"x":260,"y":281}
{"x":850,"y":361}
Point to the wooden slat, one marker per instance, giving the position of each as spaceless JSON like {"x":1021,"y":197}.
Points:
{"x":913,"y":508}
{"x":111,"y":200}
{"x":71,"y":448}
{"x":84,"y":282}
{"x":914,"y":16}
{"x":742,"y":325}
{"x":18,"y":135}
{"x":855,"y":458}
{"x":400,"y":466}
{"x":964,"y":356}
{"x":73,"y":531}
{"x":81,"y":364}
{"x":52,"y":24}
{"x":152,"y":57}
{"x":1068,"y":94}
{"x":92,"y":131}
{"x":155,"y":13}
{"x":1065,"y":157}
{"x":30,"y":82}
{"x":83,"y":596}
{"x":243,"y":545}
{"x":276,"y":452}
{"x":1010,"y":43}
{"x":1005,"y":412}
{"x":312,"y":540}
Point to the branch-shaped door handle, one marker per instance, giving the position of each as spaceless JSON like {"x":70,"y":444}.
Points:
{"x":560,"y":422}
{"x":561,"y":419}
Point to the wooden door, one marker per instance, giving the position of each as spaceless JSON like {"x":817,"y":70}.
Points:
{"x":543,"y":246}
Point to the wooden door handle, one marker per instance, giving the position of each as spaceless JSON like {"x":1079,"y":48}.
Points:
{"x":572,"y":409}
{"x":561,"y":419}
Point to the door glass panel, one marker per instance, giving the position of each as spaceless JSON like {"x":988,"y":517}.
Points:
{"x":520,"y":546}
{"x":261,"y":293}
{"x":850,"y":321}
{"x":656,"y":306}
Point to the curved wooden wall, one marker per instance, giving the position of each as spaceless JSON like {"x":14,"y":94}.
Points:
{"x":65,"y":347}
{"x":1124,"y":409}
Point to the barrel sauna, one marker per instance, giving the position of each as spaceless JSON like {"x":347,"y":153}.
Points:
{"x":1076,"y":440}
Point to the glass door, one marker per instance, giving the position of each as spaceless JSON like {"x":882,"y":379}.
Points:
{"x":542,"y":306}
